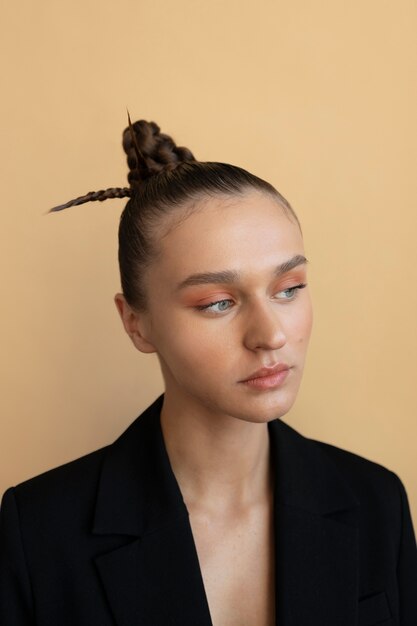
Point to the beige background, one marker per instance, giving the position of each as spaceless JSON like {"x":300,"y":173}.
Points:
{"x":320,"y":98}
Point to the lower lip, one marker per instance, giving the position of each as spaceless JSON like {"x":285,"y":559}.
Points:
{"x":268,"y":382}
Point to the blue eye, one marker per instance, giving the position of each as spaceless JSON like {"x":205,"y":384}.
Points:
{"x":291,"y":292}
{"x":220,"y":304}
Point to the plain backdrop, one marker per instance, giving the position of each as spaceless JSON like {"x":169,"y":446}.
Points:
{"x":319,"y":98}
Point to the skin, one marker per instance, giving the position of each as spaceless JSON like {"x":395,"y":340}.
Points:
{"x":215,"y":426}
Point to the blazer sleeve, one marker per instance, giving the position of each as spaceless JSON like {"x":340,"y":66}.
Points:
{"x":15,"y":590}
{"x":407,"y":563}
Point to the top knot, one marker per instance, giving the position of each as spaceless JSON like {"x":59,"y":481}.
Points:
{"x":150,"y":152}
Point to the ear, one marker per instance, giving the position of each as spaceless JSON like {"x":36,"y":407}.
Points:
{"x":134,"y":323}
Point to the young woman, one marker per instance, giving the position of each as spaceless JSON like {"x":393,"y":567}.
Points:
{"x":209,"y":509}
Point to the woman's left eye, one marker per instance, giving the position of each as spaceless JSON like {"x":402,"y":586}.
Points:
{"x":220,"y":304}
{"x":291,"y":292}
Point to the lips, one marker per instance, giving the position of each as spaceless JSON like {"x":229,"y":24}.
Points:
{"x":267,"y":371}
{"x":267,"y":379}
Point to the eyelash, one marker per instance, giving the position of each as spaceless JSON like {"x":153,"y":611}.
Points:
{"x":294,"y":290}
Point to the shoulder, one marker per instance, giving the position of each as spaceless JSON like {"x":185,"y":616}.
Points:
{"x":378,"y":490}
{"x":60,"y":491}
{"x":362,"y":473}
{"x":329,"y":470}
{"x":69,"y":491}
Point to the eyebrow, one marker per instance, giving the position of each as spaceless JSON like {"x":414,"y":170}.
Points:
{"x":231,"y":276}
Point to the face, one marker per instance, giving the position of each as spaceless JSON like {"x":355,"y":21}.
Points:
{"x":227,"y":297}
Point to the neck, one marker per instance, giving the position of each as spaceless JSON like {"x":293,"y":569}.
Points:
{"x":222,"y":463}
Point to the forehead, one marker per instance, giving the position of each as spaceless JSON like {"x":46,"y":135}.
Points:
{"x":250,"y":233}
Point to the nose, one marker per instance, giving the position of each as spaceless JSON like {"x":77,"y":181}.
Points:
{"x":263,"y":327}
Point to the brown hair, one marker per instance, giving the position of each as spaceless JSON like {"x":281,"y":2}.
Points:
{"x":164,"y":178}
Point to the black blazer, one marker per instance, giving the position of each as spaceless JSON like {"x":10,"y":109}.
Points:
{"x":106,"y":540}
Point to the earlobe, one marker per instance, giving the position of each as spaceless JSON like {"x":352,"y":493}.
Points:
{"x":134,"y":324}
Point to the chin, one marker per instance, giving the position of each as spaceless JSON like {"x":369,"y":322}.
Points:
{"x":264,"y":414}
{"x":261,"y":408}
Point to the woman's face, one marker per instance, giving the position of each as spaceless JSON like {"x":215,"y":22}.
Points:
{"x":224,"y":302}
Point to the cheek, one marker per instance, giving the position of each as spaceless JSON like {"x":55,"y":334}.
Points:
{"x":183,"y":344}
{"x":301,"y":325}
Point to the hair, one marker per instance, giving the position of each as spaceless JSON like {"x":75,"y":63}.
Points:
{"x":164,"y":181}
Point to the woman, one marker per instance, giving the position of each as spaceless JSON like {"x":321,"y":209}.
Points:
{"x":209,"y":509}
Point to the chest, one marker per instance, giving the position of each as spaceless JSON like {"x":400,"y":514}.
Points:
{"x":237,"y":565}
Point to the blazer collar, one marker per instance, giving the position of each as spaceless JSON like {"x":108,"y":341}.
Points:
{"x":154,"y":578}
{"x":138,"y":491}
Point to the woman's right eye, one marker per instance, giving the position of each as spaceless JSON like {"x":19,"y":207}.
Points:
{"x":220,"y":304}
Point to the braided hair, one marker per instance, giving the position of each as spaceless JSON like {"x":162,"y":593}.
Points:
{"x":164,"y":178}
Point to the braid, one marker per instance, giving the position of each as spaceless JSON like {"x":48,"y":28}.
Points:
{"x":148,"y":152}
{"x":92,"y":196}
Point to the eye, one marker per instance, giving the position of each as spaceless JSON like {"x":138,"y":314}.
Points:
{"x":291,"y":292}
{"x":215,"y":307}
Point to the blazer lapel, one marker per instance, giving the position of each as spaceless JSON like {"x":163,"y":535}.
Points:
{"x":156,"y":580}
{"x":153,"y":578}
{"x":316,"y":534}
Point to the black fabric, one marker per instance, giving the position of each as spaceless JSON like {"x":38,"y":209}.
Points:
{"x":106,"y":540}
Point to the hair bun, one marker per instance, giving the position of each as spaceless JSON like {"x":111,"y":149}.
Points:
{"x":149,"y":151}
